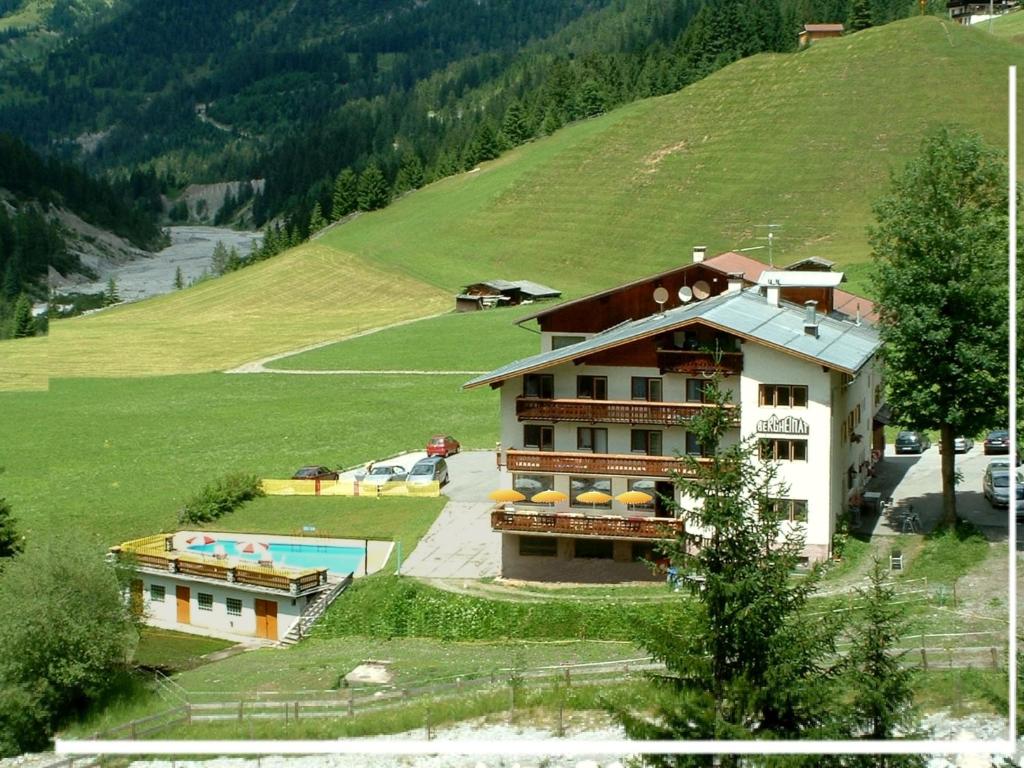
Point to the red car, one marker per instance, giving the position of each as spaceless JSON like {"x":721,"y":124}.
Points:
{"x":442,"y":445}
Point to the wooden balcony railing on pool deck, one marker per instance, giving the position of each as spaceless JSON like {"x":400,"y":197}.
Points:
{"x":607,"y":411}
{"x":151,"y":554}
{"x":636,"y":464}
{"x":570,"y":524}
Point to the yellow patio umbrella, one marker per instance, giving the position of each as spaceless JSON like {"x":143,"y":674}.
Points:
{"x":634,"y":497}
{"x":548,"y":497}
{"x":594,"y":498}
{"x":506,"y":494}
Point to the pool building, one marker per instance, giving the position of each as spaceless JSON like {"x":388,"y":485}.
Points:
{"x":242,"y":584}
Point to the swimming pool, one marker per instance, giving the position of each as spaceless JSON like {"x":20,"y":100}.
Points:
{"x":341,"y":560}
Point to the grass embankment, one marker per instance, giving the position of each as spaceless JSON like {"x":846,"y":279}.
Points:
{"x":114,"y":459}
{"x":174,"y":651}
{"x":464,"y":341}
{"x":1009,"y":25}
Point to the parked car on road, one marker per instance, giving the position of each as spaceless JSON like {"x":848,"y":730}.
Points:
{"x":442,"y":445}
{"x":998,"y":441}
{"x":996,"y":487}
{"x":315,"y":473}
{"x":429,"y":470}
{"x":384,"y":473}
{"x":960,"y":445}
{"x":912,"y":442}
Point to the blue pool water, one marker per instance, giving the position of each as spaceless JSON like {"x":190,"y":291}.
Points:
{"x":340,"y":560}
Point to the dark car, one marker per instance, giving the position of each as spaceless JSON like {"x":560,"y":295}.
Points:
{"x":998,"y":441}
{"x":912,"y":442}
{"x":315,"y":473}
{"x":442,"y":445}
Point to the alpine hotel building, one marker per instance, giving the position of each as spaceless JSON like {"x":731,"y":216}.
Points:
{"x":602,"y":407}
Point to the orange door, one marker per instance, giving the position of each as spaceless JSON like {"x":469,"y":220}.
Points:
{"x":136,"y":597}
{"x":184,"y":613}
{"x":266,"y":619}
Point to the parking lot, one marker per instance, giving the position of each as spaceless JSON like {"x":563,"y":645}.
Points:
{"x":916,"y":480}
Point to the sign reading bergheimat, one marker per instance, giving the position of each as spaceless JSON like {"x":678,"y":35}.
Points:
{"x":788,"y":425}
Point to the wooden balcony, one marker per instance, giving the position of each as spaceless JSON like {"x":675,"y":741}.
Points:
{"x":633,"y":464}
{"x":603,"y":526}
{"x":607,"y":411}
{"x":695,"y":362}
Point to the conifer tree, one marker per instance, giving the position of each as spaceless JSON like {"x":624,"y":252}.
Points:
{"x":111,"y":296}
{"x":219,"y":260}
{"x":316,"y":219}
{"x":10,"y":541}
{"x":860,"y":15}
{"x":513,"y":127}
{"x":410,"y":173}
{"x":373,"y":189}
{"x":484,"y":145}
{"x":23,"y":323}
{"x":741,"y":659}
{"x":179,"y":279}
{"x":346,"y":194}
{"x":590,"y":100}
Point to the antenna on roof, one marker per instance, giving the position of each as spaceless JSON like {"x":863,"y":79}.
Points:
{"x":771,"y":236}
{"x":701,"y":290}
{"x":660,"y":297}
{"x":685,"y":294}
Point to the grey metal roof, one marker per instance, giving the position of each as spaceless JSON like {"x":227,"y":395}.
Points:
{"x":525,"y":286}
{"x":841,"y":345}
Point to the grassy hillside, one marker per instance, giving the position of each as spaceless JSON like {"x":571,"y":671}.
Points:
{"x":1011,"y":25}
{"x":804,"y":140}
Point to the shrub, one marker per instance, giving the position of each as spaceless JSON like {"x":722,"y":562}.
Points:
{"x":220,"y":498}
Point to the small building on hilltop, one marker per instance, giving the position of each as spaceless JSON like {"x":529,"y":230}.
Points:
{"x":502,"y":293}
{"x":812,"y":32}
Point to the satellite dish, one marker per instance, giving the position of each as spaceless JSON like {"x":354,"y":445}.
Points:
{"x":660,"y":295}
{"x":701,"y":290}
{"x":685,"y":294}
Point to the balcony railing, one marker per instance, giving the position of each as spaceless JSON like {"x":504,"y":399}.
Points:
{"x":569,"y":524}
{"x":696,"y":362}
{"x":593,"y":463}
{"x":607,"y":411}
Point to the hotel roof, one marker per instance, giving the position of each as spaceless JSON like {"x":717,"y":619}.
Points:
{"x":841,"y":345}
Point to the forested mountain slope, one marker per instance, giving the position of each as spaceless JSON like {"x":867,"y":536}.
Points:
{"x":806,"y":140}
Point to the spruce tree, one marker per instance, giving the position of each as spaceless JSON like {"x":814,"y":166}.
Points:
{"x":410,"y":173}
{"x":346,"y":194}
{"x":23,"y":323}
{"x":741,"y":659}
{"x":179,"y":279}
{"x":484,"y":145}
{"x":513,"y":127}
{"x":373,"y":189}
{"x":11,"y":542}
{"x":111,"y":296}
{"x":860,"y":15}
{"x":219,"y":260}
{"x":316,"y":219}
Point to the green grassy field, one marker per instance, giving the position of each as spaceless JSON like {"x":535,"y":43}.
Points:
{"x":1010,"y":25}
{"x":174,"y":651}
{"x":464,"y":341}
{"x":111,"y":459}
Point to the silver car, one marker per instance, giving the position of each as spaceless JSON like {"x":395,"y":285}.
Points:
{"x":384,"y":473}
{"x":997,"y":486}
{"x":433,"y":469}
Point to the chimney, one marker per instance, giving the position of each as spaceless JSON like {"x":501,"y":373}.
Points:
{"x":771,"y":294}
{"x":699,"y":252}
{"x":811,"y":318}
{"x":735,"y":282}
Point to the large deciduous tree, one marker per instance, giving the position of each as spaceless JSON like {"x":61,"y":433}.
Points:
{"x":741,"y":660}
{"x":940,"y":274}
{"x":65,"y":634}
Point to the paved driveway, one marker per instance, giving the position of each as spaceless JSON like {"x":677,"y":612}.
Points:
{"x":916,"y":479}
{"x":460,"y":543}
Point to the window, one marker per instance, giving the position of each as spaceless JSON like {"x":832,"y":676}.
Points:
{"x":593,"y":439}
{"x":645,"y":552}
{"x":157,"y":593}
{"x":695,"y":390}
{"x":234,"y":606}
{"x":646,"y":389}
{"x":205,"y":601}
{"x":646,"y":441}
{"x":557,"y":342}
{"x":531,"y":485}
{"x":783,"y":395}
{"x":793,"y":510}
{"x":539,"y":437}
{"x":581,"y":485}
{"x":693,"y":447}
{"x":783,"y":450}
{"x":644,"y":486}
{"x":539,"y":385}
{"x":538,"y":546}
{"x":592,"y":387}
{"x":596,"y":548}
